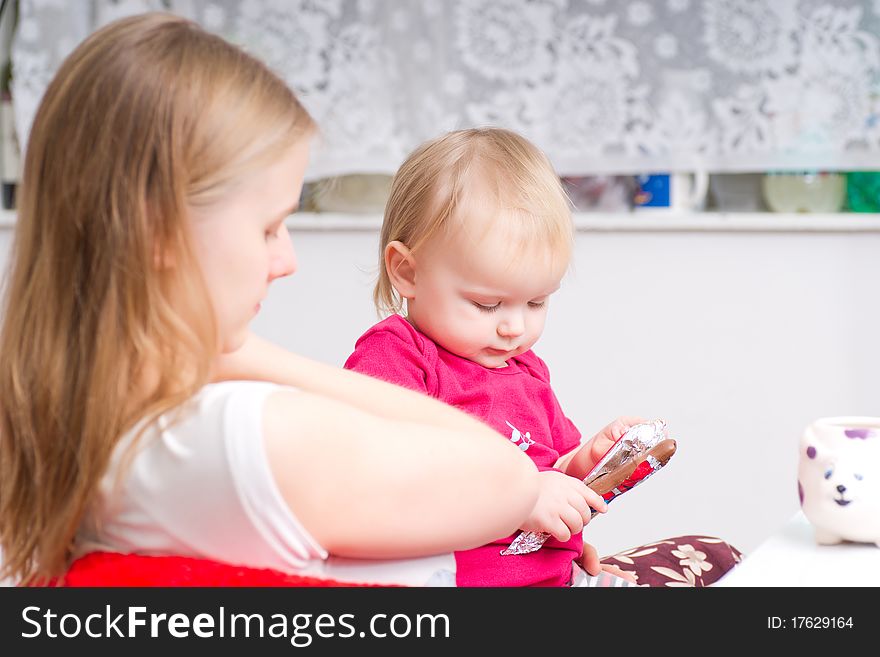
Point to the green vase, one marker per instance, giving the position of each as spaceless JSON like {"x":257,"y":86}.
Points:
{"x":863,"y":191}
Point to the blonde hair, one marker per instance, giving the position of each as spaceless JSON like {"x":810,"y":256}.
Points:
{"x":431,"y":189}
{"x":149,"y":116}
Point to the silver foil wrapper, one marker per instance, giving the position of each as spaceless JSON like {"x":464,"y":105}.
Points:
{"x":638,"y":439}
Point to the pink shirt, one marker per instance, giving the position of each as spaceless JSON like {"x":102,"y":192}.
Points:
{"x":516,"y":401}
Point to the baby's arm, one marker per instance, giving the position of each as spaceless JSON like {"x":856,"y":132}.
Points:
{"x":563,"y":506}
{"x":577,"y":459}
{"x":578,"y":462}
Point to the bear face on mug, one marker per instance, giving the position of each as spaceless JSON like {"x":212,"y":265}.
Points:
{"x":839,"y":479}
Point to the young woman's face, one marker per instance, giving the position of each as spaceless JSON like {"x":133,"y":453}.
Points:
{"x":480,"y":298}
{"x":242,"y":243}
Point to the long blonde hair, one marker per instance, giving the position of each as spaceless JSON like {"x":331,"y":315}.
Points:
{"x":149,"y":116}
{"x":432,"y":187}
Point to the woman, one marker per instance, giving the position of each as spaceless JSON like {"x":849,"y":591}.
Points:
{"x":161,"y":165}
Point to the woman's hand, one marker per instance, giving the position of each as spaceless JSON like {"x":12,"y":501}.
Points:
{"x":563,"y":506}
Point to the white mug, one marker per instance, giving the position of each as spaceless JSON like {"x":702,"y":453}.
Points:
{"x":680,"y":191}
{"x":839,"y":479}
{"x":689,"y":190}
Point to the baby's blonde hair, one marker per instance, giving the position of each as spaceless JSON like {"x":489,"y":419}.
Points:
{"x":430,"y":189}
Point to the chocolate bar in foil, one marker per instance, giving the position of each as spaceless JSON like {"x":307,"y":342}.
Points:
{"x":640,"y":452}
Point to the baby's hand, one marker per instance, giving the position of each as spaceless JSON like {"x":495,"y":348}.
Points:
{"x":603,"y":440}
{"x":563,"y":506}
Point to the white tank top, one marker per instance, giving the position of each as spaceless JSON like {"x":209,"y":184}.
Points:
{"x":199,"y":485}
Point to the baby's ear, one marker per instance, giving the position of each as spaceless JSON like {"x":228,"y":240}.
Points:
{"x":401,"y":267}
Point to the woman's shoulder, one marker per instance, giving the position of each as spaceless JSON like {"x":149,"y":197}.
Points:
{"x":214,"y":412}
{"x":223,"y":391}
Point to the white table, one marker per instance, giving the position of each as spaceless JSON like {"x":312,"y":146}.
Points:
{"x":793,"y":558}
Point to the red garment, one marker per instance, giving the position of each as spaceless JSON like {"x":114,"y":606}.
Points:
{"x":114,"y":569}
{"x":516,"y":401}
{"x":659,"y":564}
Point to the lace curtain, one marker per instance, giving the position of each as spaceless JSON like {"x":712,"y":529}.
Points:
{"x":602,"y":86}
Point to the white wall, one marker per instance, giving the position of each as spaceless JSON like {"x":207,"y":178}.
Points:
{"x":737,"y":339}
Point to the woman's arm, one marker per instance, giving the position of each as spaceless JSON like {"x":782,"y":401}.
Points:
{"x":375,"y":470}
{"x":261,"y":360}
{"x":372,"y":487}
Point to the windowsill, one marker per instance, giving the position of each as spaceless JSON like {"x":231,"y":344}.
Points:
{"x":625,"y":222}
{"x":644,"y":221}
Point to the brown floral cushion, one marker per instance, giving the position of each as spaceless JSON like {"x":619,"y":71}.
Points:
{"x":680,"y":561}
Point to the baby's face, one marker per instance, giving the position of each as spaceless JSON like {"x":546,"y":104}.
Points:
{"x":482,"y":297}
